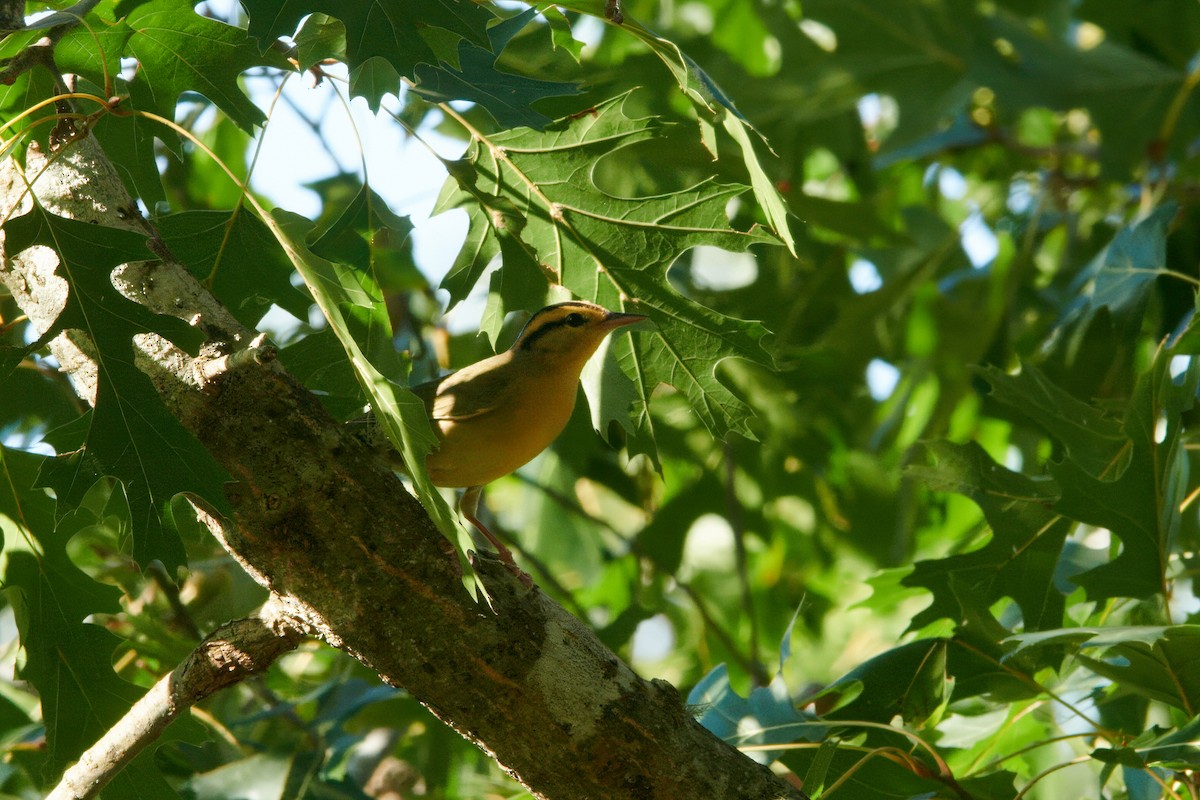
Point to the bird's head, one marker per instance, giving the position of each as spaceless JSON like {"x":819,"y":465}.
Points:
{"x":569,"y":331}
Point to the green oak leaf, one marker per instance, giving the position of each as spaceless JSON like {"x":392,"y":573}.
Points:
{"x":1093,"y":440}
{"x":538,"y":186}
{"x":237,"y":258}
{"x":506,"y":96}
{"x":1139,"y":503}
{"x":320,"y":37}
{"x":400,"y":33}
{"x":1122,"y":277}
{"x":560,"y":31}
{"x":24,"y":92}
{"x":318,"y":361}
{"x":1020,"y":559}
{"x":713,"y":105}
{"x":31,"y":400}
{"x":873,"y":695}
{"x":129,"y":140}
{"x":130,"y":434}
{"x":1175,"y":749}
{"x":372,"y":80}
{"x":1157,"y":662}
{"x":68,"y":660}
{"x":351,"y":307}
{"x":95,"y":51}
{"x":367,"y":235}
{"x":217,"y":56}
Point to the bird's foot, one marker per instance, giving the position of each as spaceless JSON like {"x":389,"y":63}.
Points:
{"x":506,"y":558}
{"x":487,"y":565}
{"x":468,"y":505}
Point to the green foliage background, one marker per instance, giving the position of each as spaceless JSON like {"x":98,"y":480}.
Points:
{"x":974,"y":583}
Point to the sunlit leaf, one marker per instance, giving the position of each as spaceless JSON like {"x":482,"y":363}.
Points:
{"x":217,"y":55}
{"x":337,"y":292}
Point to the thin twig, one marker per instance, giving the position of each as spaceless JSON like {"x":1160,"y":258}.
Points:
{"x":170,"y":590}
{"x":233,"y":653}
{"x":736,"y":517}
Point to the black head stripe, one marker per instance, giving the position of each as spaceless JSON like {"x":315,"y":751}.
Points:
{"x":534,"y":335}
{"x":570,"y":320}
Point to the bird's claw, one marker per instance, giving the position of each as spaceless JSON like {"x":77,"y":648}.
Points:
{"x":506,"y":558}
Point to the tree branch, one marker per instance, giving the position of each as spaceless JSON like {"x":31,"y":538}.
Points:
{"x":233,"y":652}
{"x":323,"y":522}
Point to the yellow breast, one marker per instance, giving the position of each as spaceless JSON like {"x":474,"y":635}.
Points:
{"x":477,"y":449}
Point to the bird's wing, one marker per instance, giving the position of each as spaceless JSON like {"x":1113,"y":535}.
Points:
{"x":471,"y":392}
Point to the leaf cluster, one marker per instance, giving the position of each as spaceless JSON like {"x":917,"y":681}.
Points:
{"x":899,"y":482}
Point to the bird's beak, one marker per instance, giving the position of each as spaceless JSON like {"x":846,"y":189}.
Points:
{"x":616,"y":320}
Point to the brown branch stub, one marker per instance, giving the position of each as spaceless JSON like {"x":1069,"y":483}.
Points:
{"x":234,"y":652}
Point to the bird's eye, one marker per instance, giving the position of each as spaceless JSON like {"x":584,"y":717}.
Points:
{"x":574,"y":320}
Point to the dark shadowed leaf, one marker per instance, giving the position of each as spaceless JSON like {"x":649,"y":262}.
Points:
{"x":398,"y":33}
{"x":131,"y":435}
{"x":508,"y":97}
{"x":1020,"y":558}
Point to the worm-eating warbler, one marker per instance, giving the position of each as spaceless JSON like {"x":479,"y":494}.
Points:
{"x":497,"y":414}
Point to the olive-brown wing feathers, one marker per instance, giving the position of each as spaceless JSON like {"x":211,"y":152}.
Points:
{"x":469,"y":393}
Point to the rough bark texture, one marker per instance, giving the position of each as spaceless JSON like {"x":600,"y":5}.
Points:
{"x":324,"y":524}
{"x":12,"y":14}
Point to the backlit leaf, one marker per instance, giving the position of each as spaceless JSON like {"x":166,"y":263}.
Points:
{"x":508,"y":97}
{"x":217,"y":55}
